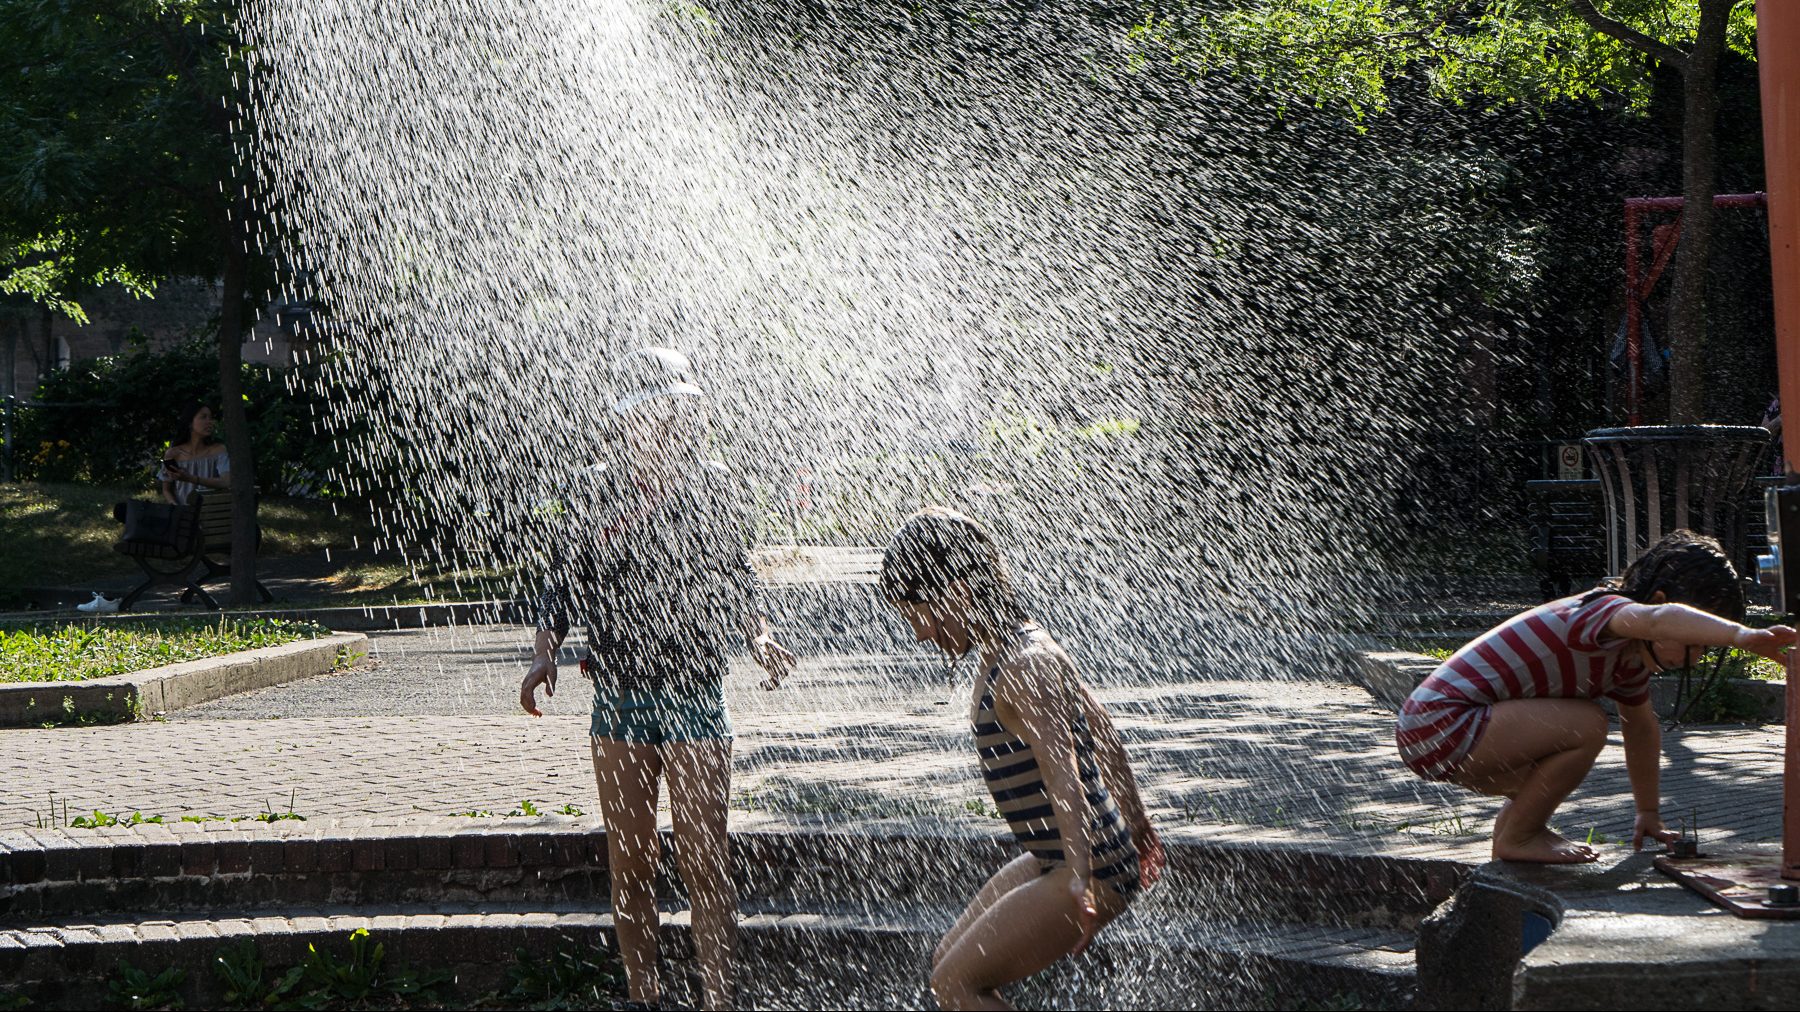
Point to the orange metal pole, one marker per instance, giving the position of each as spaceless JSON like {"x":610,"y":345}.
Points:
{"x":1778,"y":63}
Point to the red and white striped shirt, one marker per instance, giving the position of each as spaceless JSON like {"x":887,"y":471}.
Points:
{"x":1559,"y":650}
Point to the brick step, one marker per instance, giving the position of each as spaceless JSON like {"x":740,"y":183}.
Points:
{"x":248,"y":866}
{"x":790,"y":957}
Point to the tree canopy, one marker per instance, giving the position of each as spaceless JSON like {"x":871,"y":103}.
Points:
{"x":118,"y":165}
{"x":1345,"y":52}
{"x":121,"y":118}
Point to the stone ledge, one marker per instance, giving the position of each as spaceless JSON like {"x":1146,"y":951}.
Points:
{"x":199,"y":866}
{"x":1391,"y":675}
{"x":1629,"y":936}
{"x":139,"y":694}
{"x":826,"y":957}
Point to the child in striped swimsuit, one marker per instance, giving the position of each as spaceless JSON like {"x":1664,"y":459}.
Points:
{"x":1051,"y":759}
{"x":1514,"y":713}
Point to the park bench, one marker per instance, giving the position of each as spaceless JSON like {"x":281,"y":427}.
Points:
{"x":203,"y":536}
{"x":1568,"y":531}
{"x":1567,"y":518}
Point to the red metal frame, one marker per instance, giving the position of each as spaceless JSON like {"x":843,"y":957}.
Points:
{"x":1639,"y":285}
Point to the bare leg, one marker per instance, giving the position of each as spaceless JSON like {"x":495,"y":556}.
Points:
{"x":1024,"y":930}
{"x":626,"y":776}
{"x":1534,"y":752}
{"x":699,"y":790}
{"x":1018,"y":871}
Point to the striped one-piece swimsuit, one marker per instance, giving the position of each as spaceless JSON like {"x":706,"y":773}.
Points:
{"x":1013,"y":778}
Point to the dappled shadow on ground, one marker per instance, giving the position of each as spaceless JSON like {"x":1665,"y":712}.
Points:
{"x":436,"y":729}
{"x":1305,"y":756}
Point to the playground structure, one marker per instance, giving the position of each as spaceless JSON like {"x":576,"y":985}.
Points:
{"x":1639,"y":282}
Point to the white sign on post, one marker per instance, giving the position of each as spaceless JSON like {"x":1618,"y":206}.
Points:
{"x":1568,"y":462}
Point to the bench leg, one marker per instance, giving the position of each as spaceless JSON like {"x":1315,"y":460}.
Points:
{"x":263,"y":592}
{"x":195,"y":590}
{"x":132,"y":598}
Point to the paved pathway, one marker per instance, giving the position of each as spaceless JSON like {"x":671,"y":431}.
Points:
{"x":432,"y":728}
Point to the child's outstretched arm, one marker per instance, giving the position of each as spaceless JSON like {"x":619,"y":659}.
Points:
{"x":1679,"y":623}
{"x":1642,"y":732}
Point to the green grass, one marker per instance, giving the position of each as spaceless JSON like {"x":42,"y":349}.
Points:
{"x":62,"y":535}
{"x":72,"y":652}
{"x":57,"y":533}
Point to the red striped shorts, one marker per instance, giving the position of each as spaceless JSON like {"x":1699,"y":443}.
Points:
{"x":1436,"y":735}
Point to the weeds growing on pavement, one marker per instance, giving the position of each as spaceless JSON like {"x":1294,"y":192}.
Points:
{"x":361,"y":979}
{"x":57,"y":817}
{"x":1452,"y":824}
{"x":527,"y":809}
{"x":131,"y":988}
{"x":572,"y":977}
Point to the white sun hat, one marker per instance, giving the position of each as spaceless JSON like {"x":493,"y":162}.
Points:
{"x":648,"y":374}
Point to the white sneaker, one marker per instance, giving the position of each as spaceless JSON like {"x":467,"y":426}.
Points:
{"x":100,"y":603}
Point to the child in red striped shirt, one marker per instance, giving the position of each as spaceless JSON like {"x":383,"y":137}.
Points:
{"x":1514,"y":713}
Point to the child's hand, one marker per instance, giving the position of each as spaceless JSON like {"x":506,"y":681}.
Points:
{"x":543,"y":672}
{"x":1650,"y":824}
{"x":1087,"y":913}
{"x":1151,"y":857}
{"x":776,"y":659}
{"x":1770,"y":642}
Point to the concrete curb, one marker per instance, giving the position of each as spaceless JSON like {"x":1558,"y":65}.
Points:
{"x":137,"y":694}
{"x":1391,"y":675}
{"x":352,"y":618}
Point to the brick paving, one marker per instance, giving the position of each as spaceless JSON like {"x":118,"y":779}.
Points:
{"x":856,"y":736}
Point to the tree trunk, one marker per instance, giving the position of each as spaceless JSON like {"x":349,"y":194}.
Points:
{"x":1687,"y":303}
{"x":236,"y":418}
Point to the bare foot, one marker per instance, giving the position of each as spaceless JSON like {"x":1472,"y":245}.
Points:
{"x":1500,"y":819}
{"x":1544,"y":847}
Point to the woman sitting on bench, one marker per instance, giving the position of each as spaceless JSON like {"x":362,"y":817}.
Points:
{"x":196,"y":461}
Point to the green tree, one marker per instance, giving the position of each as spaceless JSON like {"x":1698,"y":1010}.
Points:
{"x":1345,"y":52}
{"x":119,"y":164}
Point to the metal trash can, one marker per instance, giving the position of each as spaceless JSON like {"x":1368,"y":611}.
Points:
{"x":1660,"y":478}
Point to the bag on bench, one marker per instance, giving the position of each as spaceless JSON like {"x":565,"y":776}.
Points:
{"x":158,"y":523}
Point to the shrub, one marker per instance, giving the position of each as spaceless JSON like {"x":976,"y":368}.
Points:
{"x":129,"y":406}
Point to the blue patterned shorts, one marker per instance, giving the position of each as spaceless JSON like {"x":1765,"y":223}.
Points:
{"x":652,"y":718}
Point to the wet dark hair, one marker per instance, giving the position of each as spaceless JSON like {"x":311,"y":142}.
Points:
{"x":187,"y":425}
{"x":934,"y":548}
{"x":1688,"y":568}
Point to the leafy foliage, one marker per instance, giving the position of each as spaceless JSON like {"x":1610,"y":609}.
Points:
{"x":131,"y":988}
{"x":571,"y":978}
{"x":1346,"y":52}
{"x":362,"y":979}
{"x":118,"y":165}
{"x":136,"y":399}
